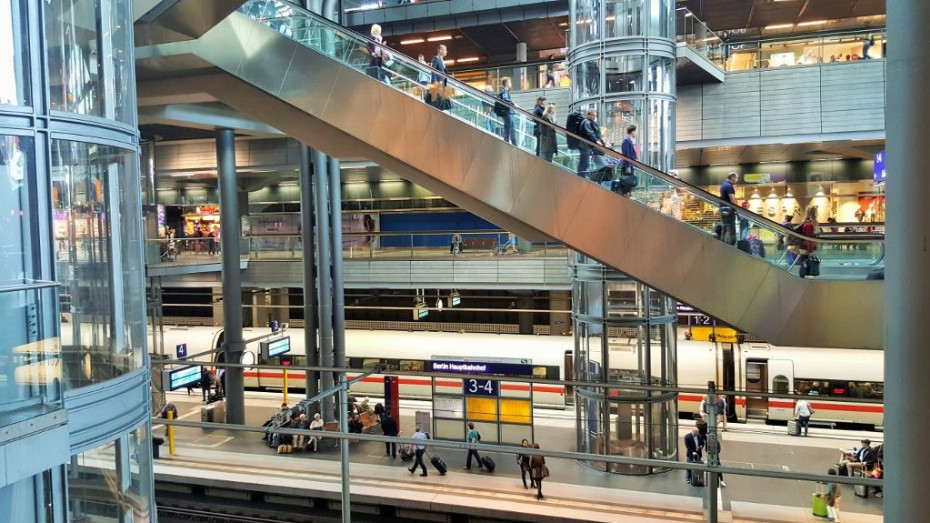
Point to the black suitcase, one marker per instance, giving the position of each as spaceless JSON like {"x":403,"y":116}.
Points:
{"x":439,"y":464}
{"x":697,"y":477}
{"x":406,"y":454}
{"x":488,"y":464}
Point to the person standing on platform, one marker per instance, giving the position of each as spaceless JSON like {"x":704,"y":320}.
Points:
{"x":540,"y":471}
{"x":389,"y":428}
{"x":803,"y":411}
{"x":728,"y":213}
{"x":419,"y":451}
{"x":524,"y":461}
{"x":472,"y":438}
{"x":694,"y":444}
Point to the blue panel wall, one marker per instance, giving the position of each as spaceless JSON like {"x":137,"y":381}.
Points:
{"x":431,"y":221}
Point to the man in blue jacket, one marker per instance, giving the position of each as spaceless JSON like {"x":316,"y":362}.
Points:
{"x":590,"y":131}
{"x":628,"y":149}
{"x":510,"y":134}
{"x":439,"y":64}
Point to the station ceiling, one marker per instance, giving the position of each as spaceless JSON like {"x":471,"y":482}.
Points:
{"x":722,"y":15}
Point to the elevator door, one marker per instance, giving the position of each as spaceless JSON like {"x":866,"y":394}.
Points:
{"x":756,"y":381}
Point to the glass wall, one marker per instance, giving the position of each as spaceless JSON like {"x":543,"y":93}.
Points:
{"x":89,"y":58}
{"x":14,"y":52}
{"x":97,"y":226}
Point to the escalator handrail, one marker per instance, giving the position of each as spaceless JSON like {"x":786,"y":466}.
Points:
{"x":709,"y":197}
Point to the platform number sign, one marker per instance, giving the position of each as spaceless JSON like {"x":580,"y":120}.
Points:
{"x":480,"y":387}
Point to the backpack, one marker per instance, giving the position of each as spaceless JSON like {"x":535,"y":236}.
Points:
{"x":501,"y":108}
{"x":573,"y":125}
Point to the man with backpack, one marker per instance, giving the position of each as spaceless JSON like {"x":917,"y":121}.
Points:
{"x":505,"y":111}
{"x":472,"y":438}
{"x":590,"y":131}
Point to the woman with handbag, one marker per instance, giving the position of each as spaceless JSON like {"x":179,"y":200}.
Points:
{"x":810,"y":264}
{"x":523,"y":460}
{"x":540,"y":471}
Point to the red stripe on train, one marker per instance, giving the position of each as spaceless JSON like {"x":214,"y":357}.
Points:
{"x":424,"y":382}
{"x":788,"y":404}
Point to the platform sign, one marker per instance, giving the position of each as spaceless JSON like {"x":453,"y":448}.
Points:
{"x":878,"y":167}
{"x":182,"y":350}
{"x":275,"y":348}
{"x":180,"y":377}
{"x":274,"y":326}
{"x":480,"y":387}
{"x":479,"y":367}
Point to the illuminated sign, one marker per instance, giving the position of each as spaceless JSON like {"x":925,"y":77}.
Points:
{"x":275,"y":348}
{"x":420,"y":312}
{"x":878,"y":167}
{"x":480,"y":387}
{"x":456,"y":300}
{"x":478,"y":367}
{"x":182,"y":350}
{"x":181,"y":377}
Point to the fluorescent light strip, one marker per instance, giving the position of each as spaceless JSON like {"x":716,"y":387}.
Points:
{"x":815,"y":22}
{"x":412,"y":41}
{"x":777,"y":26}
{"x":439,"y":38}
{"x":469,"y":59}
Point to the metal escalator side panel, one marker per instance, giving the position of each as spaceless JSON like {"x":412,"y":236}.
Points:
{"x":342,"y":111}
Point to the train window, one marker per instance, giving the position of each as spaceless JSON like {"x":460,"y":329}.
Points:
{"x":371,"y":363}
{"x":355,"y":363}
{"x":780,"y":384}
{"x":391,"y":364}
{"x":812,"y":387}
{"x":540,"y":373}
{"x":753,"y":372}
{"x":412,"y":365}
{"x":552,"y":373}
{"x":865,"y":389}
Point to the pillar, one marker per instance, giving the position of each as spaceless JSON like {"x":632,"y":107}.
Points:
{"x":308,"y":245}
{"x":908,"y":261}
{"x":335,"y":222}
{"x":321,"y":174}
{"x":232,"y":279}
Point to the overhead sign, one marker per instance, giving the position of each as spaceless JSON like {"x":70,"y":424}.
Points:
{"x":878,"y":167}
{"x":480,"y":387}
{"x":275,"y":348}
{"x":181,"y":377}
{"x":477,"y":367}
{"x":182,"y":350}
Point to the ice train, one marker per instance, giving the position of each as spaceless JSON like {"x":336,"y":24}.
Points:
{"x":820,"y":373}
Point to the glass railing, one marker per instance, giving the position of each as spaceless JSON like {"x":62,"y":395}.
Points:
{"x":593,"y":161}
{"x":409,"y":245}
{"x":526,"y":76}
{"x":30,"y":354}
{"x":695,"y":34}
{"x":189,"y":250}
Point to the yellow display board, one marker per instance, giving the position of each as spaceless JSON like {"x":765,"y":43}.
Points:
{"x":516,"y":411}
{"x":724,"y":334}
{"x":481,"y":409}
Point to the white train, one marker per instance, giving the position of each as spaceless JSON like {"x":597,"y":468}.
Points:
{"x":752,"y":367}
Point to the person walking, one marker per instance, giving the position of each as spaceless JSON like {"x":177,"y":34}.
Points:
{"x":539,"y":110}
{"x":831,"y":496}
{"x":728,"y":213}
{"x":539,"y":471}
{"x":472,"y":438}
{"x":547,"y":138}
{"x":803,"y":411}
{"x":510,"y":133}
{"x":389,"y":428}
{"x":524,"y":461}
{"x":419,"y":450}
{"x":694,"y":445}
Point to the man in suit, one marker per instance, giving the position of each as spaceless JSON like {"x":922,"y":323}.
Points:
{"x":628,"y":149}
{"x":389,"y":427}
{"x":694,"y":445}
{"x":439,"y":64}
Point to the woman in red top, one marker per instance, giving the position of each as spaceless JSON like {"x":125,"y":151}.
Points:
{"x":808,"y":229}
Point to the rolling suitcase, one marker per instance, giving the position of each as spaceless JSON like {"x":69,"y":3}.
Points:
{"x":794,"y":428}
{"x":488,"y":464}
{"x":439,"y":464}
{"x":697,"y":477}
{"x":406,"y":454}
{"x":861,"y":491}
{"x":214,"y":412}
{"x":819,"y":505}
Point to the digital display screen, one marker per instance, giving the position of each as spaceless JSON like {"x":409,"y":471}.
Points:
{"x":275,"y":348}
{"x":182,"y":377}
{"x":456,"y":300}
{"x":477,"y":367}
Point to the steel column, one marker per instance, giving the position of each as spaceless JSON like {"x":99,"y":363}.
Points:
{"x":309,"y":258}
{"x":232,"y":279}
{"x":908,"y":262}
{"x":325,"y":279}
{"x":335,"y":222}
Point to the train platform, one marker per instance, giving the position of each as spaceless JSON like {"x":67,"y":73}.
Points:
{"x":226,"y":461}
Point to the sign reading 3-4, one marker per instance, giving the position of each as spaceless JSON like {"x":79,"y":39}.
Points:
{"x":480,"y":387}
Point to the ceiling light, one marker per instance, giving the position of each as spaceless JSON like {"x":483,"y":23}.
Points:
{"x":439,"y":38}
{"x":689,"y":14}
{"x":813,"y":22}
{"x":448,"y":61}
{"x":412,"y":41}
{"x":563,"y":24}
{"x":777,"y":26}
{"x":469,"y":59}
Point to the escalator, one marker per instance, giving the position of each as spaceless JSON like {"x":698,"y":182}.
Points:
{"x":310,"y":78}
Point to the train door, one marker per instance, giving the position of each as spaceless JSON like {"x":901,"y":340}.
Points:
{"x":569,"y":375}
{"x":727,"y":377}
{"x":756,"y":381}
{"x":781,"y":381}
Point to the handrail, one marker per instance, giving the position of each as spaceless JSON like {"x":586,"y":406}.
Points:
{"x":664,"y":178}
{"x":29,"y":285}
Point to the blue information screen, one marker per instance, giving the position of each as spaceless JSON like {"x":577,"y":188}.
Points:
{"x":182,"y":377}
{"x":478,"y":367}
{"x":278,"y":347}
{"x":480,"y":387}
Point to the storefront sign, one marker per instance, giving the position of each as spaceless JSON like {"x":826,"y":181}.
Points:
{"x":878,"y":167}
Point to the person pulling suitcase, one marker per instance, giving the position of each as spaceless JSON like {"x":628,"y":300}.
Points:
{"x":419,"y":450}
{"x":473,"y":437}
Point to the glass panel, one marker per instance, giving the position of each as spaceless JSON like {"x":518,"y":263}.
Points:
{"x":623,"y":74}
{"x":661,"y":19}
{"x":104,"y":328}
{"x":587,"y":79}
{"x":17,"y":236}
{"x":587,"y":22}
{"x":623,"y":18}
{"x":14,"y":54}
{"x":18,"y":502}
{"x":481,"y":409}
{"x":121,"y":85}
